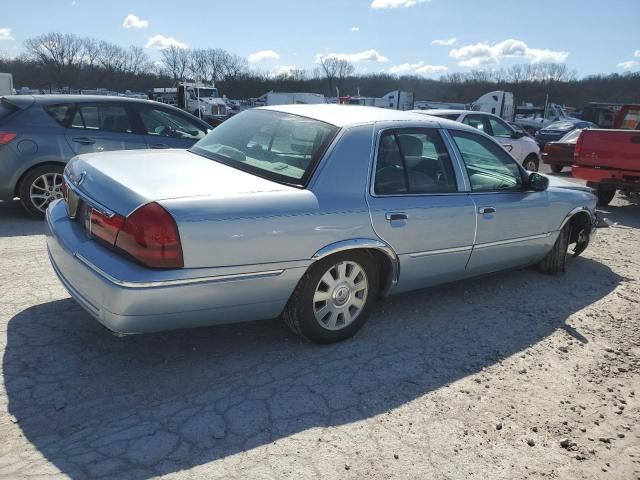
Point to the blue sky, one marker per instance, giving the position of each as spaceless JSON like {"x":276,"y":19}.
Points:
{"x":395,"y":36}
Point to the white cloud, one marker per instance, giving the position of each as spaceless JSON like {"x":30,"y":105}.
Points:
{"x":417,"y":69}
{"x":396,"y":3}
{"x":5,"y":34}
{"x":161,"y":42}
{"x":629,"y":65}
{"x":133,"y":21}
{"x":355,"y":29}
{"x":636,"y":53}
{"x":448,"y":42}
{"x":487,"y":54}
{"x":263,"y":55}
{"x":366,"y":56}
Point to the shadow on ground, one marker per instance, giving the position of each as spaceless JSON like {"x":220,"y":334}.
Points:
{"x":624,"y":210}
{"x":140,"y":406}
{"x":16,"y":222}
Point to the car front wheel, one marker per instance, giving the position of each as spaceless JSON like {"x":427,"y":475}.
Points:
{"x":40,"y":187}
{"x":334,"y":298}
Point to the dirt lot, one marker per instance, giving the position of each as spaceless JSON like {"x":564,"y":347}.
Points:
{"x":519,"y":375}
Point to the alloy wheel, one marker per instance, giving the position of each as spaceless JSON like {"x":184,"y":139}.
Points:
{"x":340,"y":295}
{"x":45,"y":189}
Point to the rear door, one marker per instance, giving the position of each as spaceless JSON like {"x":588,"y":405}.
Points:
{"x":101,"y":127}
{"x":165,"y":128}
{"x":418,"y":206}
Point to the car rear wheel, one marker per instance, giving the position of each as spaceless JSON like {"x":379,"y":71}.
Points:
{"x":40,"y":187}
{"x":531,"y":163}
{"x":556,"y":168}
{"x":334,"y":298}
{"x":556,"y":260}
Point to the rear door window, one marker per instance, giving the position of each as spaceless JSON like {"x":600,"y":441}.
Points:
{"x":103,"y":117}
{"x":413,"y":161}
{"x":60,"y":113}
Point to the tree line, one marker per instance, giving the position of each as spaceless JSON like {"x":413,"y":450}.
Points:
{"x":54,"y":61}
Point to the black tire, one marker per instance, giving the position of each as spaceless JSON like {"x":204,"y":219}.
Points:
{"x":556,"y":260}
{"x":532,"y":160}
{"x":605,"y":194}
{"x":31,"y":178}
{"x":299,"y":313}
{"x":556,"y":168}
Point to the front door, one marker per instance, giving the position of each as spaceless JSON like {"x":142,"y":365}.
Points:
{"x":101,"y":127}
{"x":418,"y":208}
{"x":513,"y":227}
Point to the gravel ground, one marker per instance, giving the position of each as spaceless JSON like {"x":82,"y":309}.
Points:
{"x":518,"y":375}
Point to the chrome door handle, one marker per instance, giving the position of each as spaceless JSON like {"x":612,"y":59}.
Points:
{"x":84,"y":140}
{"x":485,"y":210}
{"x":391,"y":216}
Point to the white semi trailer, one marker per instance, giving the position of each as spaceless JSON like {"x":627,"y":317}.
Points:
{"x":6,"y":84}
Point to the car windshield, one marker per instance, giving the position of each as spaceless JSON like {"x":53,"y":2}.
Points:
{"x":273,"y":145}
{"x":206,"y":92}
{"x":571,"y":137}
{"x":560,"y":126}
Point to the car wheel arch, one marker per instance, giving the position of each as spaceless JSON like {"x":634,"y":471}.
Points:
{"x":385,"y":257}
{"x":579,"y":218}
{"x":16,"y":187}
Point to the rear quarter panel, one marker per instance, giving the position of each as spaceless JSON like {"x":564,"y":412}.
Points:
{"x":284,"y":226}
{"x":40,"y":140}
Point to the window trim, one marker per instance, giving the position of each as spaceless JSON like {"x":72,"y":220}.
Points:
{"x":454,"y":145}
{"x":460,"y":174}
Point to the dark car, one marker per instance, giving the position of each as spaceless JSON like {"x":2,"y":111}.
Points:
{"x":39,"y":134}
{"x":560,"y":154}
{"x":559,"y":129}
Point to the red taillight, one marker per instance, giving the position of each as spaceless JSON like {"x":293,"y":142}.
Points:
{"x":6,"y":137}
{"x":150,"y":235}
{"x":105,"y":228}
{"x":577,"y":150}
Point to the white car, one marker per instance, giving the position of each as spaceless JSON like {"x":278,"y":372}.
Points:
{"x":523,"y":148}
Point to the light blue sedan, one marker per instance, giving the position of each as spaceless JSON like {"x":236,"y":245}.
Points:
{"x":308,"y":212}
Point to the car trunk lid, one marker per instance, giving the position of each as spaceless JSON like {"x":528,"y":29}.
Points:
{"x":122,"y":182}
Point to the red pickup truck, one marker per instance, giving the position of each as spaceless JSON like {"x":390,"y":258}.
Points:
{"x":609,"y":160}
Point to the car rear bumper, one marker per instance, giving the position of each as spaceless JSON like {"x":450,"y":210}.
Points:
{"x":114,"y":291}
{"x":626,"y":179}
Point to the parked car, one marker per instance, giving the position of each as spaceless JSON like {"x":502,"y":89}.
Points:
{"x":559,"y":154}
{"x":557,"y":130}
{"x":608,"y":160}
{"x":306,"y":211}
{"x":521,"y":146}
{"x":40,"y":134}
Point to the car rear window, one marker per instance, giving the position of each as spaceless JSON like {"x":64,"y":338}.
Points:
{"x":60,"y":113}
{"x":274,"y":145}
{"x":6,"y":109}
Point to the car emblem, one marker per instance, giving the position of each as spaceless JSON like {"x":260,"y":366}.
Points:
{"x":81,"y":178}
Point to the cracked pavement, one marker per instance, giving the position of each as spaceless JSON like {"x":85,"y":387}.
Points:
{"x":419,"y":393}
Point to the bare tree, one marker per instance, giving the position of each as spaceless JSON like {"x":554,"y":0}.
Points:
{"x":175,"y":60}
{"x":137,"y":60}
{"x":90,"y":51}
{"x":61,"y":53}
{"x":336,"y":70}
{"x":233,"y":66}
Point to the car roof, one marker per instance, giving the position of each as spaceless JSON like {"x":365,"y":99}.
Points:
{"x":56,"y":99}
{"x":443,"y":111}
{"x":348,"y":115}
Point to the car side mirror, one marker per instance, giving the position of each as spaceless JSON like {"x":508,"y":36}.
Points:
{"x":537,"y":182}
{"x":517,"y":135}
